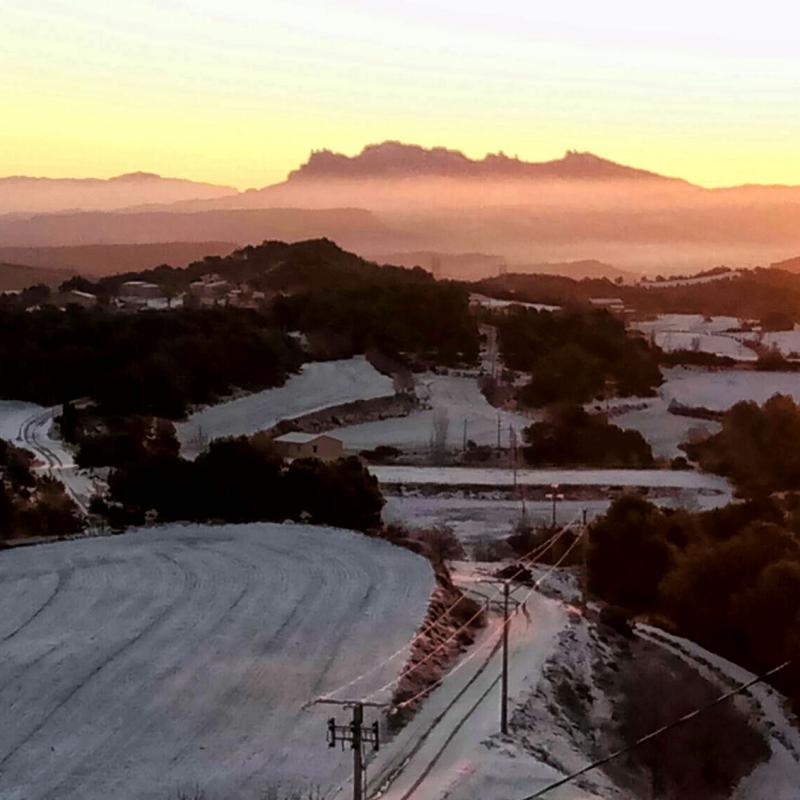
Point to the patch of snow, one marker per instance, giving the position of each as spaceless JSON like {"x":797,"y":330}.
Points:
{"x":457,"y":397}
{"x":690,"y":323}
{"x":495,"y":302}
{"x":468,"y":476}
{"x":719,"y":390}
{"x":13,"y":416}
{"x":717,"y":344}
{"x":319,"y":385}
{"x":178,"y":657}
{"x":663,"y":431}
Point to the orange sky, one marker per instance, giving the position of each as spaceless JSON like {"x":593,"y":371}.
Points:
{"x":240,"y":92}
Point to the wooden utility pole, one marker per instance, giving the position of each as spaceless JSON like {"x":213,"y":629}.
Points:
{"x":358,"y":755}
{"x":504,"y":679}
{"x":504,"y":675}
{"x":356,"y":734}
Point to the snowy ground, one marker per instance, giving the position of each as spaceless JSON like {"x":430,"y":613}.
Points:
{"x":696,"y":332}
{"x":663,"y":431}
{"x":457,"y":397}
{"x":715,"y":343}
{"x":694,"y":323}
{"x":787,"y":342}
{"x":29,"y":426}
{"x":165,"y":659}
{"x":495,"y":303}
{"x":716,"y":390}
{"x":448,"y":748}
{"x":474,"y":519}
{"x":719,"y":390}
{"x":495,"y":477}
{"x":779,"y":777}
{"x":319,"y":385}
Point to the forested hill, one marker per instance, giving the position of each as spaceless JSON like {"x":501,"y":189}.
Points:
{"x":750,"y":294}
{"x":271,"y":266}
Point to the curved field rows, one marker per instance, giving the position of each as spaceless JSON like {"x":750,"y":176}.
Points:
{"x":180,"y":657}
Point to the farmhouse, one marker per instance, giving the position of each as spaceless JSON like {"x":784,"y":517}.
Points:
{"x":309,"y":445}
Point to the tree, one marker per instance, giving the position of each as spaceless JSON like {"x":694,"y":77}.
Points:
{"x":628,"y":554}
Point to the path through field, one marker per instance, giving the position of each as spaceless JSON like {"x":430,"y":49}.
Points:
{"x":162,"y":660}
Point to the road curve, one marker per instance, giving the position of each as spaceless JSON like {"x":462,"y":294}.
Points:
{"x":166,"y":659}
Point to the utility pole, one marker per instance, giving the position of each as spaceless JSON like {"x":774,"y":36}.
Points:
{"x":358,"y":756}
{"x":585,"y":547}
{"x":555,"y":496}
{"x":504,"y":675}
{"x":504,"y":679}
{"x":464,"y":448}
{"x":512,"y":440}
{"x":357,"y":735}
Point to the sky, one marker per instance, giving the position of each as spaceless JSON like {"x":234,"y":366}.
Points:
{"x":240,"y":91}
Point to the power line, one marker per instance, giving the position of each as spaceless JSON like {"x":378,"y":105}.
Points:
{"x":658,"y":732}
{"x":533,"y":554}
{"x":542,"y":548}
{"x":475,"y":652}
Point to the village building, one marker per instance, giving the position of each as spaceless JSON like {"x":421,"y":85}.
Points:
{"x":75,"y":298}
{"x":309,"y":445}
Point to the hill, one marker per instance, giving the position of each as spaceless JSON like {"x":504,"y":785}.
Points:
{"x":757,"y":294}
{"x":578,"y":270}
{"x":790,"y":264}
{"x":20,"y":276}
{"x":98,"y":260}
{"x":35,"y":195}
{"x":350,"y":226}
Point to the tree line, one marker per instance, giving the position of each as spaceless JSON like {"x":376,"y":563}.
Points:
{"x":239,"y":480}
{"x":728,"y":579}
{"x":575,"y":356}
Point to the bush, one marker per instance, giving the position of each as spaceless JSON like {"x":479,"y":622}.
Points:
{"x":570,"y":435}
{"x":441,"y":543}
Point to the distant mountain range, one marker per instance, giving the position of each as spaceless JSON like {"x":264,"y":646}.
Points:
{"x":97,"y":260}
{"x":20,"y":194}
{"x":21,"y":276}
{"x":403,"y":199}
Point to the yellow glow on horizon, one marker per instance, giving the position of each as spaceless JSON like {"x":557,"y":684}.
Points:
{"x":240,"y":93}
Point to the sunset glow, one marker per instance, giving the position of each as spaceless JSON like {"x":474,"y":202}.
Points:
{"x":240,"y":92}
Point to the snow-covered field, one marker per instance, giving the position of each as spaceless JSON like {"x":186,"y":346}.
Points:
{"x":459,"y":398}
{"x":787,"y":342}
{"x":179,"y":657}
{"x":473,"y":519}
{"x":319,"y":385}
{"x":663,"y":431}
{"x":690,"y":323}
{"x":718,"y":344}
{"x":495,"y":303}
{"x":721,"y":390}
{"x":496,"y":477}
{"x":695,"y":332}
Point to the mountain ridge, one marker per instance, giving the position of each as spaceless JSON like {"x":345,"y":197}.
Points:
{"x":393,"y":158}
